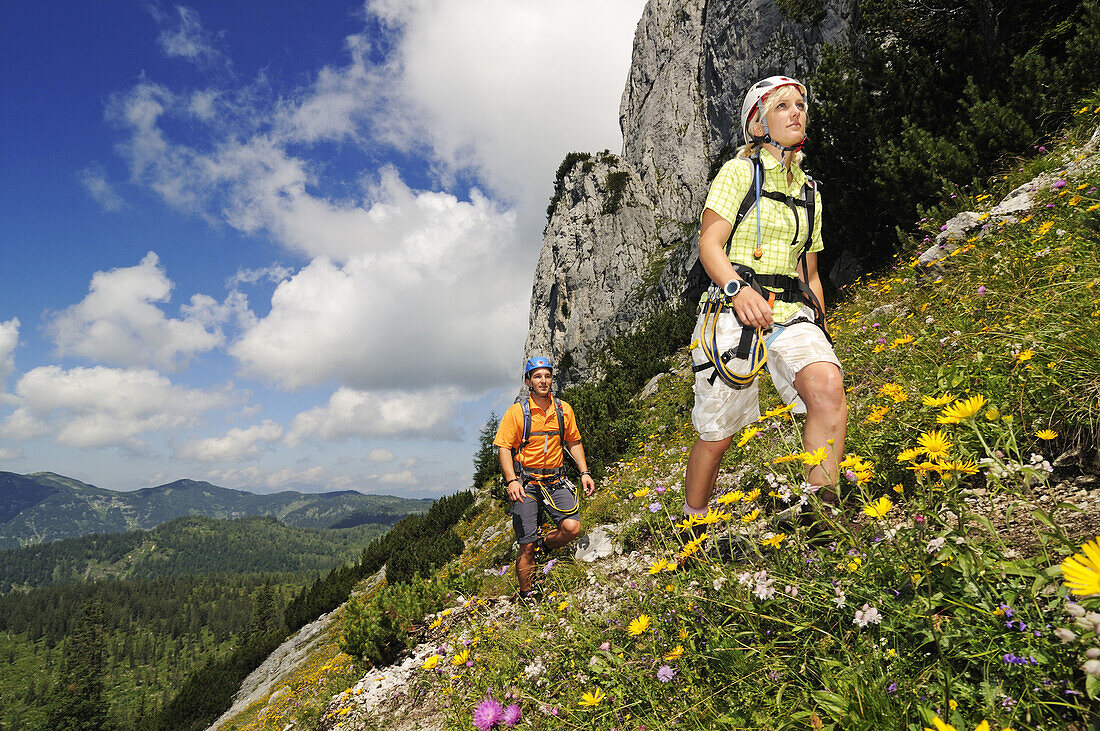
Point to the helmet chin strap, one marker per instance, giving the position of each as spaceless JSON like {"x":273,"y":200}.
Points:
{"x":766,"y":139}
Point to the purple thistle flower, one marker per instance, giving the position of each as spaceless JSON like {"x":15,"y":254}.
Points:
{"x":1059,"y":184}
{"x":487,"y":714}
{"x":511,"y":715}
{"x":981,"y":289}
{"x":665,"y":674}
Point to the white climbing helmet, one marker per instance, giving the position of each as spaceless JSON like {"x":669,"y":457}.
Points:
{"x":757,"y":93}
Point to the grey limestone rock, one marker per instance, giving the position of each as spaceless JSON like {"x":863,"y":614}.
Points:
{"x":597,"y":250}
{"x":596,"y":544}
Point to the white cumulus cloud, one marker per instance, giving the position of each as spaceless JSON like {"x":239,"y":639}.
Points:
{"x":436,"y":300}
{"x":368,"y":415}
{"x":236,"y":445}
{"x":104,"y":407}
{"x":119,"y":322}
{"x":381,"y":455}
{"x":509,"y":87}
{"x":9,"y":339}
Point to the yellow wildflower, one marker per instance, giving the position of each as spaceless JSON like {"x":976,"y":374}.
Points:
{"x":591,"y":700}
{"x":878,"y":508}
{"x":961,"y":410}
{"x":774,"y":541}
{"x":1046,"y":434}
{"x":682,"y":634}
{"x":689,"y":521}
{"x":641,"y":493}
{"x":1025,"y":355}
{"x":750,"y":517}
{"x":658,"y":566}
{"x":786,"y":458}
{"x":1081,"y":572}
{"x":563,"y":606}
{"x":638,"y":625}
{"x":430,"y":663}
{"x":908,"y":455}
{"x":750,"y":496}
{"x":814,"y":458}
{"x":779,"y":411}
{"x":904,"y":340}
{"x":692,"y":546}
{"x":877,"y":414}
{"x":894,"y":391}
{"x":963,"y":468}
{"x":746,"y":435}
{"x":937,"y":400}
{"x":730,"y":497}
{"x":992,"y":414}
{"x":711,"y":517}
{"x":934,"y":443}
{"x":461,"y":658}
{"x":675,"y":653}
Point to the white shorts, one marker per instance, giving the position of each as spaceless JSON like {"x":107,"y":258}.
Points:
{"x":721,"y":411}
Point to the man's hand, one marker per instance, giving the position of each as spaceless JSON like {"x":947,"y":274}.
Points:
{"x":588,"y":484}
{"x":516,"y":492}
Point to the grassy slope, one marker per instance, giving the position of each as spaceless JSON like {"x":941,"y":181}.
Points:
{"x":772,"y":639}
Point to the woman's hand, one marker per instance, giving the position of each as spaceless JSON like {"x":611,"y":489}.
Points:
{"x":752,"y":309}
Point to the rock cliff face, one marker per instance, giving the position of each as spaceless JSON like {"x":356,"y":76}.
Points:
{"x":623,"y":233}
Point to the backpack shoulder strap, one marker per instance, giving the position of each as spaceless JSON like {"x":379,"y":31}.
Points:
{"x":561,"y":421}
{"x":526,"y":408}
{"x":750,"y":198}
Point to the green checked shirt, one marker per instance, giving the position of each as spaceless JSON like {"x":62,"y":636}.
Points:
{"x":777,"y":221}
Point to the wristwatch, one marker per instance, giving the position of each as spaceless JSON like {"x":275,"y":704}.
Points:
{"x":732,"y":287}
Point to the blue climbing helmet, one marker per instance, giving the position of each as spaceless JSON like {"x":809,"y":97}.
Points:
{"x":533,"y":364}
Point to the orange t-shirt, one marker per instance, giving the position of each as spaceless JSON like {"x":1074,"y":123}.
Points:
{"x":545,"y":450}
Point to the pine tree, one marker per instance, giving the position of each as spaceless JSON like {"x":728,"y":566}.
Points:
{"x":487,"y":460}
{"x":77,"y":702}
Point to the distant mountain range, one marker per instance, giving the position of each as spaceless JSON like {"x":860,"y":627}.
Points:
{"x":43,"y":507}
{"x":191,"y":545}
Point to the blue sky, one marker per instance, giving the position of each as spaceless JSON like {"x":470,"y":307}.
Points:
{"x":281,"y":245}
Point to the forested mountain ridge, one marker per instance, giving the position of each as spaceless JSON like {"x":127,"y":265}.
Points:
{"x":191,"y":545}
{"x":43,"y":507}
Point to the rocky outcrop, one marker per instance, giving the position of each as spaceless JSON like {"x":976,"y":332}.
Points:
{"x":597,"y":251}
{"x":606,"y":266}
{"x":663,"y":112}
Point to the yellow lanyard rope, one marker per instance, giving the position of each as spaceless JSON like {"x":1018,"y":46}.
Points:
{"x":758,"y":357}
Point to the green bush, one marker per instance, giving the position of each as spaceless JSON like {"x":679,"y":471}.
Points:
{"x":378,"y":629}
